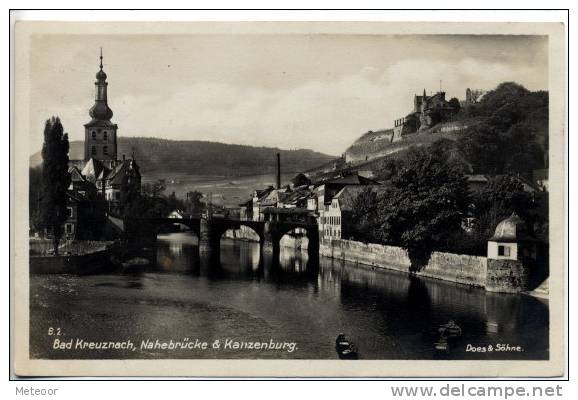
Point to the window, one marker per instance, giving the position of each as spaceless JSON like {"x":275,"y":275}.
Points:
{"x":93,"y":150}
{"x":69,"y":212}
{"x":105,"y":150}
{"x":105,"y":135}
{"x":504,"y":251}
{"x":94,"y":134}
{"x":69,"y":228}
{"x":117,"y":195}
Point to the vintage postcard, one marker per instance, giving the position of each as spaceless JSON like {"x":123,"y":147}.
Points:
{"x":289,"y":199}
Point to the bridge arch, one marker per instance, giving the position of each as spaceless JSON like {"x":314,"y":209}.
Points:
{"x":210,"y":230}
{"x":243,"y":232}
{"x":176,"y":227}
{"x":274,"y":231}
{"x":296,"y":238}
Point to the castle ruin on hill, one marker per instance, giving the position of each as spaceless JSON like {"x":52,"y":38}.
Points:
{"x":428,"y":112}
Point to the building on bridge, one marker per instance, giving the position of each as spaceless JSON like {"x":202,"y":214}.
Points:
{"x":315,"y":203}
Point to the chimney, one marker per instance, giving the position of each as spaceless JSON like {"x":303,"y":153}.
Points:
{"x":278,"y":171}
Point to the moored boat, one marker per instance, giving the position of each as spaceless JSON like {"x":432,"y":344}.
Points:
{"x":345,"y":348}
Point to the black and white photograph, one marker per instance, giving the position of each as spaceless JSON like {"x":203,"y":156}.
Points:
{"x":282,"y":192}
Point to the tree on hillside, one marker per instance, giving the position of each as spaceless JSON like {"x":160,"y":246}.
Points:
{"x":513,"y":136}
{"x":476,"y":94}
{"x":498,"y":200}
{"x":365,"y":216}
{"x":428,"y":200}
{"x":454,"y":103}
{"x":482,"y":146}
{"x":504,"y":94}
{"x":194,"y":203}
{"x":506,"y":192}
{"x":55,"y":179}
{"x":154,"y":189}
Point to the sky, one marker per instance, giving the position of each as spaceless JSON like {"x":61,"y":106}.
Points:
{"x":289,"y":91}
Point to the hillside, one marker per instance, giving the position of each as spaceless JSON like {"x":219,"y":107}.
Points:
{"x":506,"y":131}
{"x":170,"y":157}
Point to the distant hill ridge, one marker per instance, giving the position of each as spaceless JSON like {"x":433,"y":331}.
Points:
{"x":162,"y":156}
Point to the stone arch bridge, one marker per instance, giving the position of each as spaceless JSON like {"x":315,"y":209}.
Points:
{"x":209,"y":230}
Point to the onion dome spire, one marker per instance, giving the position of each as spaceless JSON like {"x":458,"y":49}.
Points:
{"x":100,"y":109}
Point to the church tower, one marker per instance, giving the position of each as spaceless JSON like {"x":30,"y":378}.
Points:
{"x":100,"y":132}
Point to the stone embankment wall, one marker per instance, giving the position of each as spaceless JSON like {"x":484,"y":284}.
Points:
{"x":75,"y":257}
{"x":507,"y":276}
{"x":98,"y":261}
{"x":470,"y":270}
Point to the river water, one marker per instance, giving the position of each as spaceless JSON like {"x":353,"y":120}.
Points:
{"x":291,"y":309}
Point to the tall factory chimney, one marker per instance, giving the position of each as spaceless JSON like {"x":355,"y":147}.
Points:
{"x":278,"y":171}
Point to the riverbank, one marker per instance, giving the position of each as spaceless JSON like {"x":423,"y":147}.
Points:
{"x":494,"y":275}
{"x":78,"y":257}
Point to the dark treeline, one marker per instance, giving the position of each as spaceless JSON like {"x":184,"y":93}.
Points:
{"x":513,"y":136}
{"x":153,"y":202}
{"x":166,"y":157}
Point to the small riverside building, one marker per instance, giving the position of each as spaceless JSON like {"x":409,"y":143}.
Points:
{"x":511,"y":260}
{"x":511,"y":241}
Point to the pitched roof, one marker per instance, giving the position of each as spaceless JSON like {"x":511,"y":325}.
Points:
{"x":123,"y":168}
{"x":348,"y":195}
{"x":353,"y":179}
{"x":248,"y":203}
{"x":297,"y":196}
{"x":271,"y":198}
{"x":76,"y":175}
{"x":92,"y":169}
{"x":118,"y":173}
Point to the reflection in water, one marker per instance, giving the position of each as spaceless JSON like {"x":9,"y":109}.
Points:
{"x":249,"y":296}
